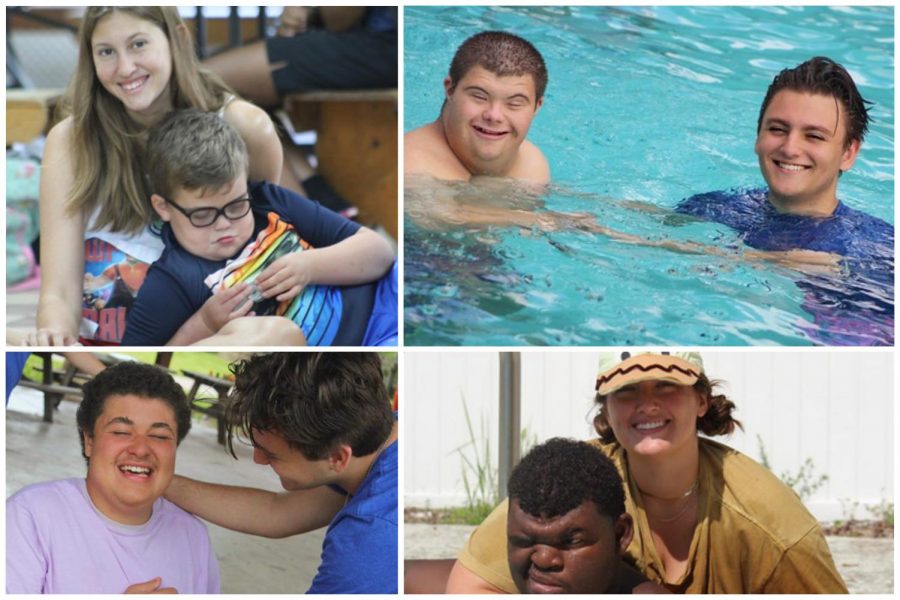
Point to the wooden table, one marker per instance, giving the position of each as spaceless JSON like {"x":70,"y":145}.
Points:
{"x":217,"y":410}
{"x":53,"y":391}
{"x":356,"y":146}
{"x":28,"y":113}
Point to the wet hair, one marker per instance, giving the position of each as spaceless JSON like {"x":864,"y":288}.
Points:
{"x":131,"y":378}
{"x":106,"y":140}
{"x":501,"y":53}
{"x":559,"y":475}
{"x":716,"y":421}
{"x":316,"y":401}
{"x":194,"y":150}
{"x":821,"y":75}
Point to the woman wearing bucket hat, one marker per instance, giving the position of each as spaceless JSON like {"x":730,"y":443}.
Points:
{"x":707,"y":518}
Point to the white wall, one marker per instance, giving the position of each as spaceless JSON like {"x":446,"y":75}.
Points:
{"x":833,"y":406}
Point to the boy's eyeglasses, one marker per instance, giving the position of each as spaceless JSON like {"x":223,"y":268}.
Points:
{"x":207,"y":215}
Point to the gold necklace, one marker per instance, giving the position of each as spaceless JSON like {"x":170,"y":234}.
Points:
{"x":690,"y":491}
{"x":683,"y":510}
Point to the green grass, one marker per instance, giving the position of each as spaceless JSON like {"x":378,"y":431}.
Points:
{"x":208,"y":363}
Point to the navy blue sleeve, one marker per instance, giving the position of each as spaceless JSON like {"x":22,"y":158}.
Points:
{"x":159,"y":310}
{"x":701,"y":206}
{"x":737,"y":209}
{"x":313,"y":222}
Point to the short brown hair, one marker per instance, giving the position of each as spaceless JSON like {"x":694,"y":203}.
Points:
{"x":821,"y":75}
{"x":194,"y":150}
{"x":501,"y":53}
{"x":315,"y":400}
{"x":716,"y":421}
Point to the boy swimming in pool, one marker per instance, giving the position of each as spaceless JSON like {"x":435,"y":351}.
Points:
{"x":233,"y":246}
{"x":493,"y":92}
{"x":810,"y":128}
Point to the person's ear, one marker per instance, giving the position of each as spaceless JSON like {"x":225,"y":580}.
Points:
{"x":182,"y":32}
{"x":624,"y":528}
{"x":340,"y":458}
{"x":88,"y":444}
{"x":849,"y":155}
{"x":538,"y":104}
{"x":702,"y":404}
{"x":161,"y":207}
{"x":448,"y":86}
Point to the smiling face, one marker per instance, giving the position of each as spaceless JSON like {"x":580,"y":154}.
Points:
{"x":486,"y":118}
{"x":655,"y":417}
{"x":131,"y":456}
{"x":133,"y":62}
{"x":295,"y":470}
{"x":219,"y":241}
{"x":802,"y":147}
{"x":576,"y":553}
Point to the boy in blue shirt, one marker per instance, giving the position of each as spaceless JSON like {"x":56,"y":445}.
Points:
{"x":234,"y":248}
{"x":322,"y":422}
{"x":810,"y":128}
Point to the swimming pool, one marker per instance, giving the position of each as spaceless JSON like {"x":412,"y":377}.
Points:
{"x":650,"y":104}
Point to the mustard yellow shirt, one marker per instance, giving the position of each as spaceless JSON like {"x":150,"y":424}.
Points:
{"x":753,"y":534}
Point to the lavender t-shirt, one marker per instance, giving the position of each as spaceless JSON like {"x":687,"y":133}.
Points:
{"x":58,"y":543}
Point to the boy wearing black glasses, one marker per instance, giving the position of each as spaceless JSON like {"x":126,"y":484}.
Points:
{"x":234,"y":248}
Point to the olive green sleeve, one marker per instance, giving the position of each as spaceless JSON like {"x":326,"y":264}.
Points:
{"x":485,"y":552}
{"x":806,"y":568}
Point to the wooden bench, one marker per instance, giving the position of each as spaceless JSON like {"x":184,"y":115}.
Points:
{"x":356,"y":146}
{"x":28,"y":113}
{"x":53,"y":392}
{"x":217,"y":405}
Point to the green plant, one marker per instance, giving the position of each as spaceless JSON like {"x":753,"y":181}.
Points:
{"x":479,"y":474}
{"x":805,"y":481}
{"x":883,"y":511}
{"x":527,"y":441}
{"x":389,"y":371}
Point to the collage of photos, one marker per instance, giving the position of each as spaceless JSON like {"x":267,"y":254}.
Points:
{"x":630,"y":269}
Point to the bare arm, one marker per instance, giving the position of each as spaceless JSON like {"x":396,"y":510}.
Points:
{"x":254,"y":511}
{"x":258,"y":132}
{"x":363,"y":257}
{"x":62,"y":245}
{"x":85,"y":362}
{"x":464,"y":581}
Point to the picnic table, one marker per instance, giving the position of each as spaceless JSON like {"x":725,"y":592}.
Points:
{"x":53,"y":389}
{"x":218,"y":404}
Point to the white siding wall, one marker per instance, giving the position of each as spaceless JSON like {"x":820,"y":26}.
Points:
{"x":835,"y":407}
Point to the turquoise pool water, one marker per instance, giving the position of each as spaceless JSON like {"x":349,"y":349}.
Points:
{"x":647,"y":104}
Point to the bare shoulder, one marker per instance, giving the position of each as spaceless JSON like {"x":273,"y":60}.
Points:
{"x":61,"y":133}
{"x":57,"y":163}
{"x":426,"y":152}
{"x":259,"y":134}
{"x":247,"y":118}
{"x":531,"y":165}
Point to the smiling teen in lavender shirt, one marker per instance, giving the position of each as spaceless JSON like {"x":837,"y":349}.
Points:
{"x":112,"y":532}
